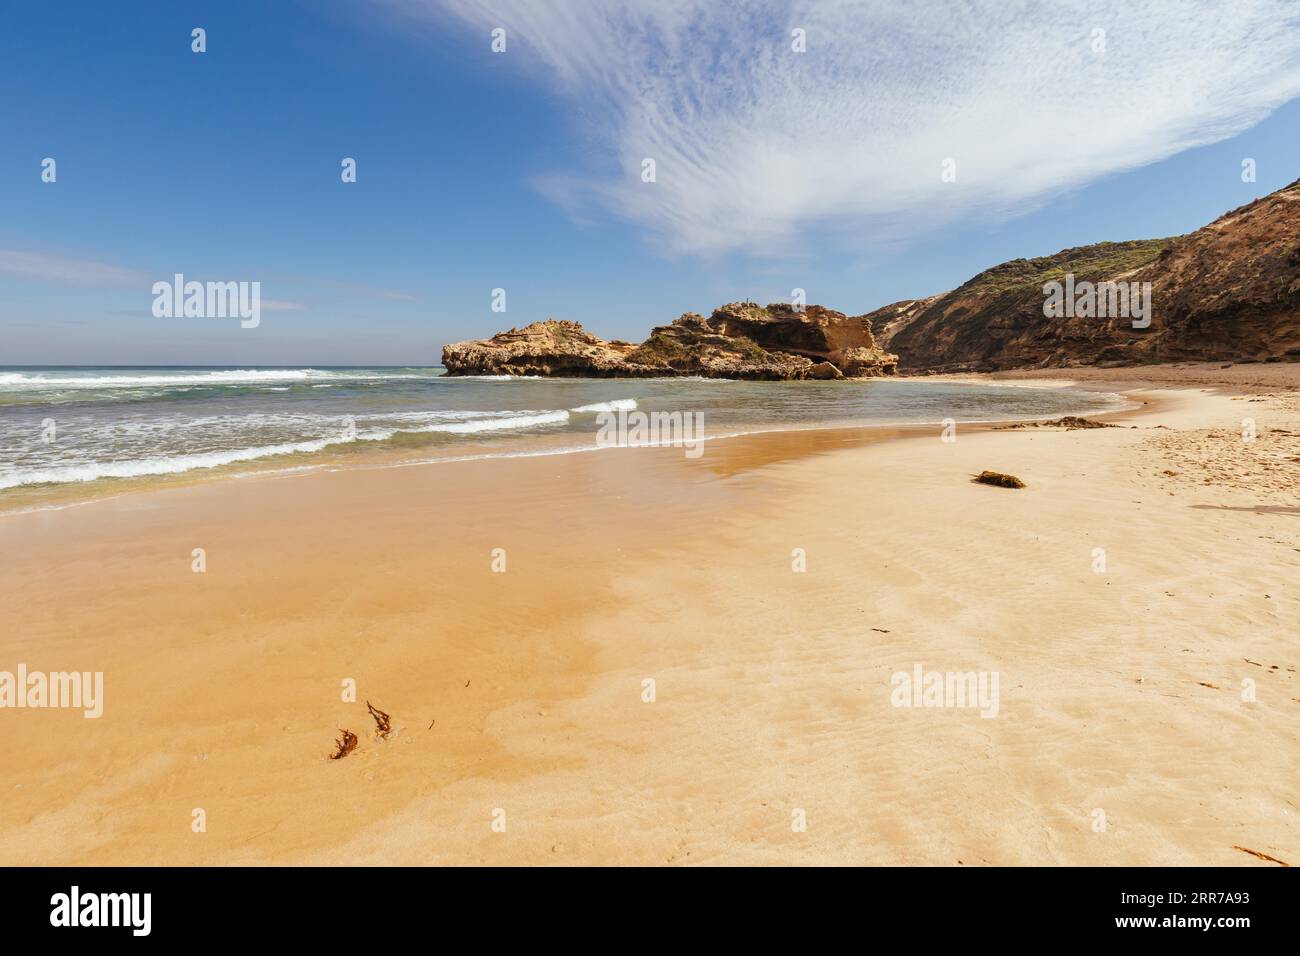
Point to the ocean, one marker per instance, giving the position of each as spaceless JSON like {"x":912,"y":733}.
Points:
{"x":84,"y":426}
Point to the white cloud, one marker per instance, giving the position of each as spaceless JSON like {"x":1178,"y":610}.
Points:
{"x":277,"y":305}
{"x":60,"y":270}
{"x":755,"y":144}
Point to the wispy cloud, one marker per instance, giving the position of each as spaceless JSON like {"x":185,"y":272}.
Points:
{"x":755,"y":143}
{"x":60,"y":270}
{"x":278,"y":305}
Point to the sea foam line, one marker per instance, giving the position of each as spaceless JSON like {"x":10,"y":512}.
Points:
{"x":179,"y":464}
{"x":618,"y":404}
{"x":250,"y":376}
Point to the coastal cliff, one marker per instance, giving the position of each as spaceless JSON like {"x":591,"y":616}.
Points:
{"x":740,"y":340}
{"x":1229,"y":291}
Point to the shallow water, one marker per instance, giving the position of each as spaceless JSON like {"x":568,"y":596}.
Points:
{"x":60,"y":426}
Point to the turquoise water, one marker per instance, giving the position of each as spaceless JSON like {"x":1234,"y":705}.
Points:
{"x":78,"y":425}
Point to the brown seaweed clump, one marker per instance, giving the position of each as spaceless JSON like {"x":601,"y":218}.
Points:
{"x":382,"y":721}
{"x":345,"y":744}
{"x":999,"y":479}
{"x":1073,"y":421}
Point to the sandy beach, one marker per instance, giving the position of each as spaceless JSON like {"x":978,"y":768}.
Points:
{"x":519,"y":697}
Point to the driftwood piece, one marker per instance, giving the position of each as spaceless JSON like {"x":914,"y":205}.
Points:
{"x":1262,"y":856}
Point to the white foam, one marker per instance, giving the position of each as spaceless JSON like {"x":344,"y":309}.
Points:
{"x":496,"y":424}
{"x":249,"y":376}
{"x":179,"y":464}
{"x":619,"y":404}
{"x":174,"y":465}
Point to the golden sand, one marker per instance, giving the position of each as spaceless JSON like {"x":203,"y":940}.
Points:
{"x":520,"y":697}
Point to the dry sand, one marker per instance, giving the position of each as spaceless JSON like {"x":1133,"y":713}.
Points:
{"x":1121,"y":691}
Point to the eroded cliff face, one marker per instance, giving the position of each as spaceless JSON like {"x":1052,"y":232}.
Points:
{"x":817,"y":333}
{"x":1229,"y":291}
{"x":741,"y":340}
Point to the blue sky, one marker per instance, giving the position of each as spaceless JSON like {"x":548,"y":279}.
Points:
{"x":520,"y":170}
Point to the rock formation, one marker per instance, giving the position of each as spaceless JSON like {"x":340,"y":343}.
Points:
{"x":543,"y":348}
{"x":739,"y":340}
{"x":1227,"y":292}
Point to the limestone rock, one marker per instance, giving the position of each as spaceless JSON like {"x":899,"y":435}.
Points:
{"x":741,"y":340}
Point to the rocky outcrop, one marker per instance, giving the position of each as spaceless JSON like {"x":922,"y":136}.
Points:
{"x":1227,"y":292}
{"x":814,"y":332}
{"x":741,"y":340}
{"x":543,"y":348}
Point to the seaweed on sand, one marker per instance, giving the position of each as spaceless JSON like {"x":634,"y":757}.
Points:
{"x":999,"y":479}
{"x":382,"y":721}
{"x":345,"y":744}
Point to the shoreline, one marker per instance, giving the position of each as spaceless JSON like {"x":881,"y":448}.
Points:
{"x":523,"y":691}
{"x":23,"y":499}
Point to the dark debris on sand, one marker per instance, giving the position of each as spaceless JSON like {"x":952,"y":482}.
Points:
{"x":999,"y":479}
{"x":1069,"y":423}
